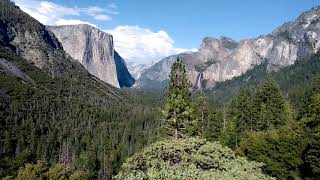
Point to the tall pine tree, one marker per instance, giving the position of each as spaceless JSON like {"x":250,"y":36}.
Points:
{"x":202,"y":113}
{"x":178,"y":111}
{"x":242,"y":109}
{"x":272,"y":109}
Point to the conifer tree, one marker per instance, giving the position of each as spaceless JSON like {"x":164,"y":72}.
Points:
{"x":202,"y":113}
{"x":178,"y":111}
{"x":214,"y":125}
{"x":272,"y":110}
{"x":312,"y":124}
{"x":242,"y":109}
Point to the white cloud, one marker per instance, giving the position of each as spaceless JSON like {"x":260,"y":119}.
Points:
{"x":92,"y":11}
{"x":135,"y":44}
{"x":102,"y":17}
{"x":140,"y":45}
{"x":50,"y":13}
{"x":72,"y":22}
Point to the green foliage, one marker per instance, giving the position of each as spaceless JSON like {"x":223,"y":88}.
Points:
{"x":201,"y":114}
{"x":85,"y":128}
{"x":272,"y":110}
{"x":78,"y":175}
{"x":241,"y":111}
{"x":178,"y":111}
{"x":59,"y":172}
{"x":311,"y":118}
{"x":36,"y":171}
{"x":311,"y":157}
{"x":229,"y":136}
{"x":189,"y":159}
{"x":63,"y":117}
{"x":41,"y":170}
{"x":214,"y":125}
{"x":89,"y":163}
{"x":311,"y":122}
{"x":281,"y":150}
{"x":291,"y":151}
{"x":265,"y":109}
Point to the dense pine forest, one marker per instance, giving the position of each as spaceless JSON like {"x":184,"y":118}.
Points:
{"x":54,"y":130}
{"x":59,"y":120}
{"x":260,"y":125}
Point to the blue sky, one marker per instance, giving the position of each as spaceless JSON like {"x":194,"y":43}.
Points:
{"x":164,"y":27}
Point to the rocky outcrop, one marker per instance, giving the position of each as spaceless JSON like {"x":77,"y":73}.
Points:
{"x":222,"y":59}
{"x":28,"y":38}
{"x":124,"y":77}
{"x":9,"y":68}
{"x":91,"y":47}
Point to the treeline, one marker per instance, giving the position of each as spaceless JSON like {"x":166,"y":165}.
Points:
{"x":79,"y":122}
{"x":185,"y":154}
{"x":261,"y":124}
{"x":74,"y":127}
{"x":269,"y":123}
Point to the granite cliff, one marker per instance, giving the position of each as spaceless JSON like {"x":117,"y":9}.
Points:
{"x":94,"y":49}
{"x":222,"y":59}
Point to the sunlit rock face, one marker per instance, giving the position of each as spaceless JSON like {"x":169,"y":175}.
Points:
{"x":91,"y":47}
{"x":222,"y":59}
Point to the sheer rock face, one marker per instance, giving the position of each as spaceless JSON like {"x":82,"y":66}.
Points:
{"x":124,"y":77}
{"x":91,"y":47}
{"x":222,"y":59}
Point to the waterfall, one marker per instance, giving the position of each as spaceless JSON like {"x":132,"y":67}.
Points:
{"x":199,"y":82}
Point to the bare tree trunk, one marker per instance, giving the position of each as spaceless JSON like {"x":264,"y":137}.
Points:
{"x":202,"y":123}
{"x":176,"y":127}
{"x":224,"y":120}
{"x":236,"y":139}
{"x":176,"y":133}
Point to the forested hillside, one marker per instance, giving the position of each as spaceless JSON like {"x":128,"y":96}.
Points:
{"x":60,"y":113}
{"x":57,"y":121}
{"x":62,"y":119}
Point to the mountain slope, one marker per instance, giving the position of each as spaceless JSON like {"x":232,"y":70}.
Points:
{"x":222,"y":59}
{"x":31,"y":40}
{"x":52,"y":109}
{"x":137,"y":69}
{"x":292,"y":79}
{"x":156,"y":77}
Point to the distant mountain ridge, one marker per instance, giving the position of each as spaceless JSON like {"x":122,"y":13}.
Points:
{"x":137,"y":69}
{"x":222,"y":59}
